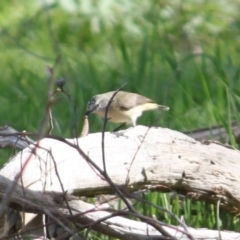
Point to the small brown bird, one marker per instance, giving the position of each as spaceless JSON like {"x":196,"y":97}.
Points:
{"x":125,"y":107}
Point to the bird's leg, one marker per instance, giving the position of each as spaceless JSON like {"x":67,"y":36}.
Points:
{"x":119,"y":127}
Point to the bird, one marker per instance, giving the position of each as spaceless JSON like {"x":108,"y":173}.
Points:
{"x":125,"y":107}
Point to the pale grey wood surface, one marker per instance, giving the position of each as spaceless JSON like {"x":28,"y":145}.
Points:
{"x":156,"y":158}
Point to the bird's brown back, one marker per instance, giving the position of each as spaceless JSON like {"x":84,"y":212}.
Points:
{"x":126,"y":100}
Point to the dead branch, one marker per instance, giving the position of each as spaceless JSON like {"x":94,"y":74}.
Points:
{"x":87,"y":214}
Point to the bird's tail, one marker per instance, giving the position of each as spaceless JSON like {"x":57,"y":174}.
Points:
{"x":152,"y":106}
{"x":165,"y":108}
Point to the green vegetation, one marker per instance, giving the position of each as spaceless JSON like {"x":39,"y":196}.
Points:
{"x":183,"y":54}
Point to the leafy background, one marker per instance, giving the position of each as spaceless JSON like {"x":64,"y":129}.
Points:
{"x":183,"y":54}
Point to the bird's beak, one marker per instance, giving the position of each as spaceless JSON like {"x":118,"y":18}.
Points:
{"x":91,"y":109}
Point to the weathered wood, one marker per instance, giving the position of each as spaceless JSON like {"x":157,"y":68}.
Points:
{"x":11,"y":137}
{"x":153,"y":158}
{"x":217,"y":133}
{"x":85,"y":213}
{"x":137,"y":158}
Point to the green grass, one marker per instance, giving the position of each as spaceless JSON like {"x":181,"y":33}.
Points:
{"x":150,"y":45}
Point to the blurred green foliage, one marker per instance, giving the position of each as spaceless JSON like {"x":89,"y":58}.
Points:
{"x":183,"y":54}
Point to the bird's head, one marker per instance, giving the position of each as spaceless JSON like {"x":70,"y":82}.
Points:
{"x":97,"y":104}
{"x":92,"y":105}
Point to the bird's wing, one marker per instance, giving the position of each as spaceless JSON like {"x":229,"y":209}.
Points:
{"x":127,"y":101}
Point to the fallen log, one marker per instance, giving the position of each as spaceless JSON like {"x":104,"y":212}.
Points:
{"x":137,"y":158}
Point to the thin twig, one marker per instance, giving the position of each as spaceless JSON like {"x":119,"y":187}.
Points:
{"x":60,"y":83}
{"x":105,"y":124}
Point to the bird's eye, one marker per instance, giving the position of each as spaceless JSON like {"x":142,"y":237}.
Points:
{"x":91,"y":102}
